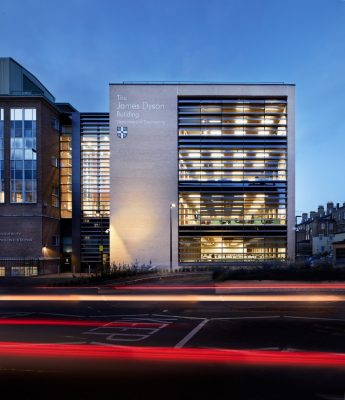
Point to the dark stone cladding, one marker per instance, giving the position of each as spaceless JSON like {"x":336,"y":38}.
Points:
{"x":26,"y":228}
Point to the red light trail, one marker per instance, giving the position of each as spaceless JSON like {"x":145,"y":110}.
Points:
{"x":163,"y":354}
{"x":63,"y":322}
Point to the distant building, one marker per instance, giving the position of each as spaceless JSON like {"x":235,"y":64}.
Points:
{"x":316,"y":232}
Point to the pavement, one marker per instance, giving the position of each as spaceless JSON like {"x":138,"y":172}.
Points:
{"x":158,"y":338}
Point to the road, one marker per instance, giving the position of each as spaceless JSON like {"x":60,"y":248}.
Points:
{"x":165,"y":337}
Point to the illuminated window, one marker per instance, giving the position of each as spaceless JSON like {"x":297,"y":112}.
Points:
{"x":66,"y":173}
{"x":232,"y":179}
{"x":23,"y":155}
{"x":2,"y":182}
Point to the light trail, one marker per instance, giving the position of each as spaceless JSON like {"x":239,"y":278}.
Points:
{"x":64,"y":322}
{"x":235,"y":287}
{"x":163,"y":354}
{"x":176,"y":298}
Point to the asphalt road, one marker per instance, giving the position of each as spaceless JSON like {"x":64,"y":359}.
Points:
{"x":158,"y":338}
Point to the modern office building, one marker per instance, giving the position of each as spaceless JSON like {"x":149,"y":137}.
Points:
{"x":224,"y":153}
{"x":80,"y":191}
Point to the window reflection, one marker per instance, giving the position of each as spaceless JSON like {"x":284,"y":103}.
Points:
{"x":23,"y":187}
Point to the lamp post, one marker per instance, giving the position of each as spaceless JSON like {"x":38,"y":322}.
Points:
{"x":172,"y":205}
{"x":44,"y":248}
{"x":297,"y":216}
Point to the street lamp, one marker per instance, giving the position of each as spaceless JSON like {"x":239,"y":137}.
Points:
{"x":172,"y":205}
{"x":297,"y":216}
{"x":44,"y":248}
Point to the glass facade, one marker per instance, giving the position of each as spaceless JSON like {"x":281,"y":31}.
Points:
{"x":2,"y":180}
{"x":66,"y":172}
{"x":95,"y":188}
{"x":232,"y":179}
{"x":23,"y":155}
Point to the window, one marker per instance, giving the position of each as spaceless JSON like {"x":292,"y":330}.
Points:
{"x":55,"y":161}
{"x":23,"y":156}
{"x":66,"y":173}
{"x":56,"y":240}
{"x":55,"y":124}
{"x":2,"y":183}
{"x":55,"y":197}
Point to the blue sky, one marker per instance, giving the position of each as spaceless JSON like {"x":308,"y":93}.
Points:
{"x":77,"y":47}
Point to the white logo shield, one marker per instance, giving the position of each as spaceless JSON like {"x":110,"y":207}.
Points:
{"x":122,"y":132}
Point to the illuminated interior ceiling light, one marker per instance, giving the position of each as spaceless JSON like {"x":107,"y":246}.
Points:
{"x":238,"y":164}
{"x":238,"y":132}
{"x":217,"y":155}
{"x":263,"y":133}
{"x":259,"y":165}
{"x":205,"y":132}
{"x":268,"y":121}
{"x":215,"y":132}
{"x":260,"y":195}
{"x":214,"y":121}
{"x":195,"y":154}
{"x":240,"y":155}
{"x":241,"y":121}
{"x":237,"y":173}
{"x":239,"y":108}
{"x":196,"y":165}
{"x":194,"y":195}
{"x":271,"y":109}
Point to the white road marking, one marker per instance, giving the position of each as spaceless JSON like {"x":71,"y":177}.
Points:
{"x":117,"y":315}
{"x":315,"y":318}
{"x":114,"y":333}
{"x":192,"y":333}
{"x":176,"y":316}
{"x":62,"y":315}
{"x":231,"y":318}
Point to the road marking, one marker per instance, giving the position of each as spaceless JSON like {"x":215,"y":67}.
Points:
{"x":192,"y":333}
{"x":315,"y":318}
{"x":230,"y":318}
{"x":117,"y":315}
{"x":63,"y":315}
{"x":176,"y":316}
{"x":130,"y":334}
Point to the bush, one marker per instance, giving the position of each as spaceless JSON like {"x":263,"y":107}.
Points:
{"x":323,"y":272}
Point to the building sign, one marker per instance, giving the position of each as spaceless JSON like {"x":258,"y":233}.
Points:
{"x":138,"y":112}
{"x":13,"y":237}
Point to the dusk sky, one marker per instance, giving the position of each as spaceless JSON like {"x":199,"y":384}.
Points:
{"x":77,"y":47}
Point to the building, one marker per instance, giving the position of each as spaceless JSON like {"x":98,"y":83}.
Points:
{"x":29,"y":196}
{"x":317,"y":232}
{"x":82,"y":190}
{"x":223,"y":152}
